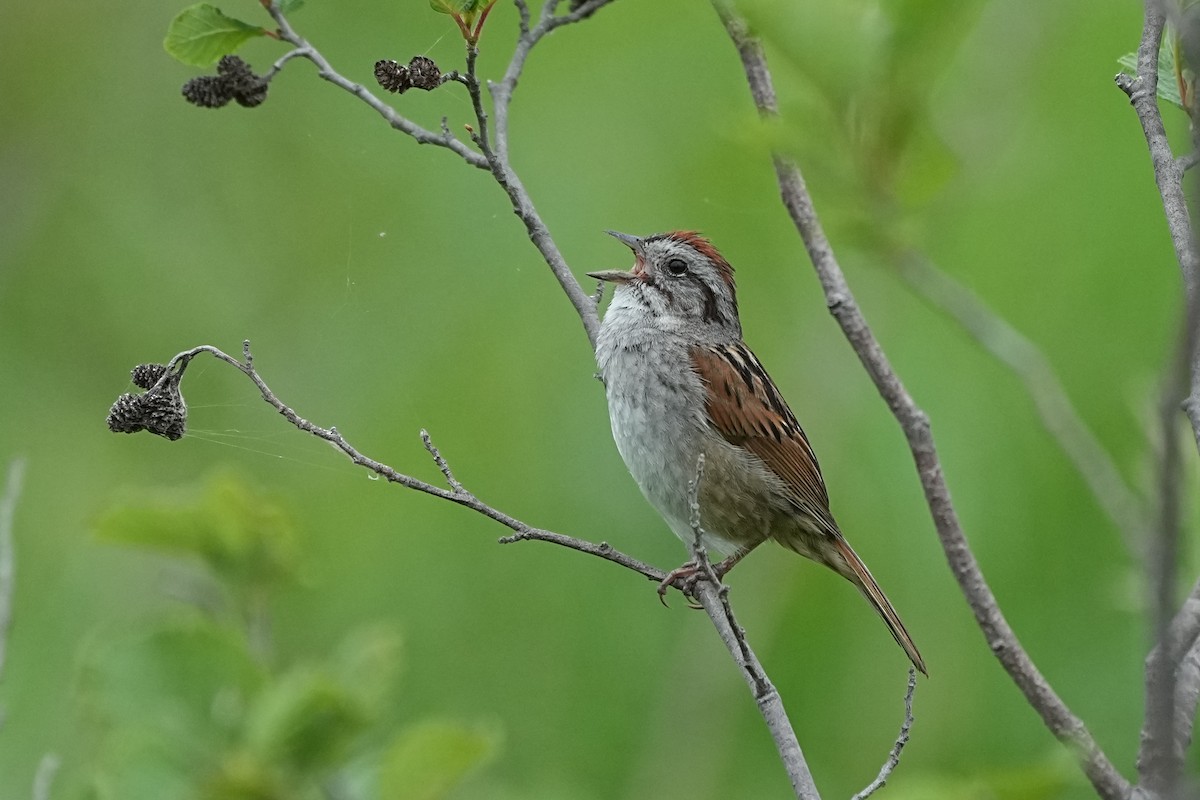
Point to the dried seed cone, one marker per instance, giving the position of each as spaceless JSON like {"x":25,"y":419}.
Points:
{"x":165,"y":413}
{"x":126,"y":414}
{"x":392,"y":76}
{"x":208,"y":91}
{"x":423,"y":73}
{"x":146,"y":375}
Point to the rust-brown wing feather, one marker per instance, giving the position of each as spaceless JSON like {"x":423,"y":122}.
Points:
{"x":748,"y":411}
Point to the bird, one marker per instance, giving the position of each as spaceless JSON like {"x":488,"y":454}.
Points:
{"x":682,"y":384}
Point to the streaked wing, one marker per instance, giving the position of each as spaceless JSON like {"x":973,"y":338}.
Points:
{"x":747,"y":409}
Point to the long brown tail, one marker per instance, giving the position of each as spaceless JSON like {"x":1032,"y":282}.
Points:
{"x":861,"y":577}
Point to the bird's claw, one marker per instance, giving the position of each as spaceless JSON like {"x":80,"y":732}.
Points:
{"x":690,"y":574}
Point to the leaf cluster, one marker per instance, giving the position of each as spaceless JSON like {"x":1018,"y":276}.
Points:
{"x":195,"y":703}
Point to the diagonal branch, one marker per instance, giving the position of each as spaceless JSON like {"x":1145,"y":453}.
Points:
{"x":457,"y":493}
{"x":493,"y":151}
{"x":303,"y":49}
{"x":1124,"y":508}
{"x":1000,"y":637}
{"x":498,"y":158}
{"x":713,"y":596}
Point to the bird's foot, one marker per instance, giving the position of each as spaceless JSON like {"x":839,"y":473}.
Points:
{"x":691,"y":573}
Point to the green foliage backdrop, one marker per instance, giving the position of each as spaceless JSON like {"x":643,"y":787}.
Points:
{"x":386,"y":287}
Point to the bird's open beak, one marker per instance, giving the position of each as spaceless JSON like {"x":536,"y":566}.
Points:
{"x":632,"y":242}
{"x":612,"y":275}
{"x":616,"y":275}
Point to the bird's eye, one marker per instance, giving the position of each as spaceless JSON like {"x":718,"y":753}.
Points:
{"x":677,"y":266}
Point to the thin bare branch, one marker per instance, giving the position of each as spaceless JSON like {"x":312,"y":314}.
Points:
{"x":506,"y":176}
{"x":1181,"y":651}
{"x":303,"y":49}
{"x":915,"y":423}
{"x":1170,"y":683}
{"x":1124,"y":508}
{"x":441,"y":462}
{"x":893,"y":759}
{"x":493,"y":150}
{"x":1187,"y":696}
{"x":43,"y":779}
{"x":766,"y":696}
{"x":713,"y":599}
{"x":1159,"y":758}
{"x":8,"y":507}
{"x":458,"y":493}
{"x":1142,"y":90}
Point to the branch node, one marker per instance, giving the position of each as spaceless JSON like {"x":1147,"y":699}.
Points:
{"x":442,"y":464}
{"x":1125,"y":83}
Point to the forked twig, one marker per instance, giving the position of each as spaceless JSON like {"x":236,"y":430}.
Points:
{"x":893,"y":759}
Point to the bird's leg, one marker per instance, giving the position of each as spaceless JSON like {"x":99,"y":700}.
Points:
{"x":691,"y":572}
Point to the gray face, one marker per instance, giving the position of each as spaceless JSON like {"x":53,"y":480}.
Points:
{"x":680,"y":275}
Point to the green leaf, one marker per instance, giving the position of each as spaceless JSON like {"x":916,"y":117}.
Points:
{"x":187,"y":682}
{"x":238,"y":532}
{"x":427,"y":760}
{"x":201,"y":34}
{"x":465,"y":10}
{"x":1168,"y":84}
{"x":924,"y":166}
{"x":306,"y":720}
{"x":288,"y":6}
{"x":462,"y":7}
{"x":367,"y":663}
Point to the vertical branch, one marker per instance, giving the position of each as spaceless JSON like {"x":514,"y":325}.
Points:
{"x":43,"y":779}
{"x":1142,"y":90}
{"x":8,"y":507}
{"x":1160,"y":760}
{"x":1170,"y":673}
{"x":1000,"y":637}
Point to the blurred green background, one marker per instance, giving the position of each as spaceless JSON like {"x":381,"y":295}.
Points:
{"x":387,"y":288}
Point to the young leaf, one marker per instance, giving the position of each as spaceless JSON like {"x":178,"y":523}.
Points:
{"x":463,"y":11}
{"x":185,"y":681}
{"x":366,"y":663}
{"x":201,"y":34}
{"x":428,"y":760}
{"x":456,"y":6}
{"x":239,"y":533}
{"x":305,"y":720}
